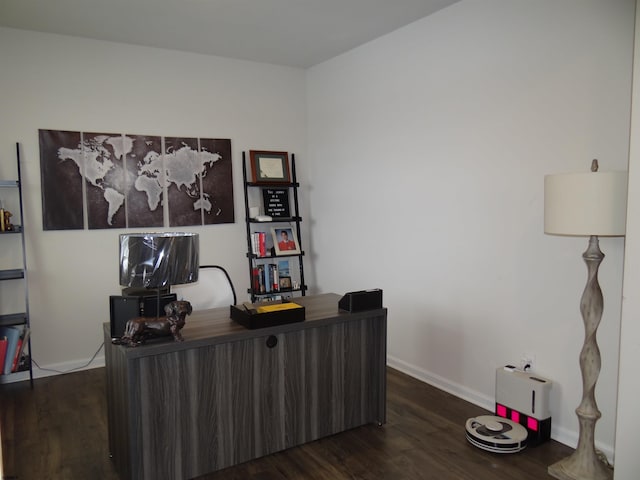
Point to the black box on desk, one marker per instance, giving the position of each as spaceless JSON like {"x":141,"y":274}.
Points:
{"x":361,"y":300}
{"x":268,"y":315}
{"x":123,"y":308}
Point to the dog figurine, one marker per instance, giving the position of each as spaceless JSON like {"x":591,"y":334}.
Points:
{"x":138,"y":330}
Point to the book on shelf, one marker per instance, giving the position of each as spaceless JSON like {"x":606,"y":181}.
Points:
{"x":255,"y":279}
{"x":260,"y":279}
{"x":266,"y":278}
{"x":275,"y":278}
{"x":3,"y":352}
{"x":22,"y":343}
{"x":259,"y":244}
{"x":12,"y":334}
{"x":14,"y":362}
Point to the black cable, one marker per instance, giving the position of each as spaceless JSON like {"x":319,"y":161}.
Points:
{"x":73,"y":369}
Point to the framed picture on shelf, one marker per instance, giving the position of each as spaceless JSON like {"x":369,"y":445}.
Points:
{"x":283,"y":268}
{"x":285,"y":283}
{"x":285,"y":241}
{"x":269,"y":167}
{"x":276,"y":202}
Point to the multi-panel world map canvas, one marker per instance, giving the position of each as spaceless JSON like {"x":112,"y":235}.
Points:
{"x":102,"y":180}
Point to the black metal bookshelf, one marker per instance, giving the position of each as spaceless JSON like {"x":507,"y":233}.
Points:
{"x":253,"y":192}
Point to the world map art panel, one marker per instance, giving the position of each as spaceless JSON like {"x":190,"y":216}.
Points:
{"x":62,"y":197}
{"x":145,"y":179}
{"x":103,"y":157}
{"x":133,"y":181}
{"x":221,"y":204}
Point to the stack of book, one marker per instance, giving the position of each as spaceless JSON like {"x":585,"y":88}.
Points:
{"x":266,"y":278}
{"x":13,"y":340}
{"x":259,"y":244}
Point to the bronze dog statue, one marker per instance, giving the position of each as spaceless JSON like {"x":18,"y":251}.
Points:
{"x":138,"y":330}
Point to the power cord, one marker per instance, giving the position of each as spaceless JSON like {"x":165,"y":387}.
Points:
{"x":72,"y":369}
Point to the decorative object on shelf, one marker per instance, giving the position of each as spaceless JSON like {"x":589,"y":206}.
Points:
{"x":276,"y":202}
{"x":254,"y":212}
{"x":5,"y":220}
{"x":269,"y":167}
{"x":158,"y":260}
{"x":285,"y":283}
{"x":285,"y":241}
{"x":139,"y":330}
{"x":586,"y":204}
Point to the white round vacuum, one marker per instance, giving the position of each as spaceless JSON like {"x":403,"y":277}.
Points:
{"x":496,"y":434}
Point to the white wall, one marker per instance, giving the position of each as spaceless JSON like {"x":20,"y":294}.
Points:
{"x":427,"y":152}
{"x":56,"y":82}
{"x":628,"y":422}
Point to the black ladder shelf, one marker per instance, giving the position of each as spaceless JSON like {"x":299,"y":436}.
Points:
{"x":253,"y":225}
{"x":19,"y":320}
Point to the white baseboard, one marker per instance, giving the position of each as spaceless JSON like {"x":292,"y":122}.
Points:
{"x":441,"y":383}
{"x":55,"y":369}
{"x":562,"y":435}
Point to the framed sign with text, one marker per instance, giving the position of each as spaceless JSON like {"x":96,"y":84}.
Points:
{"x":276,"y":202}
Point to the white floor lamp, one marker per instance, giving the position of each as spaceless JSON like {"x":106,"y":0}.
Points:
{"x":586,"y":204}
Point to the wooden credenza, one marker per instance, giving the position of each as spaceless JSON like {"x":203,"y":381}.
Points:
{"x":227,"y":395}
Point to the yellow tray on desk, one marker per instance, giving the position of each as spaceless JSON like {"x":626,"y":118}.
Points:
{"x":267,"y":315}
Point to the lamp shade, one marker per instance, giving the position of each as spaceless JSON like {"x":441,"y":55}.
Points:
{"x":585,"y":204}
{"x":158,"y":260}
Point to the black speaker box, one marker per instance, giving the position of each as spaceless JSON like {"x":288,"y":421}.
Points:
{"x":361,"y":300}
{"x":125,"y":307}
{"x":149,"y":304}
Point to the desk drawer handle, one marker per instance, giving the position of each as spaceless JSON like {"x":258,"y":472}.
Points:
{"x":272,"y":341}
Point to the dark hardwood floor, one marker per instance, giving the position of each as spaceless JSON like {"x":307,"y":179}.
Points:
{"x":58,"y":430}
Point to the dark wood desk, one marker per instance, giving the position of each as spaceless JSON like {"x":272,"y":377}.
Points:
{"x":222,"y":397}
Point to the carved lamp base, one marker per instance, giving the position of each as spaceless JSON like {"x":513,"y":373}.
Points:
{"x":584,"y":463}
{"x":576,"y":467}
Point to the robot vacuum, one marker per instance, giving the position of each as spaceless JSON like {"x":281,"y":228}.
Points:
{"x":496,"y":434}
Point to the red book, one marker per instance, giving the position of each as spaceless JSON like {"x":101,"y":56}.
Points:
{"x":276,"y":281}
{"x":263,"y":244}
{"x":16,"y":357}
{"x":256,"y":279}
{"x":3,"y":352}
